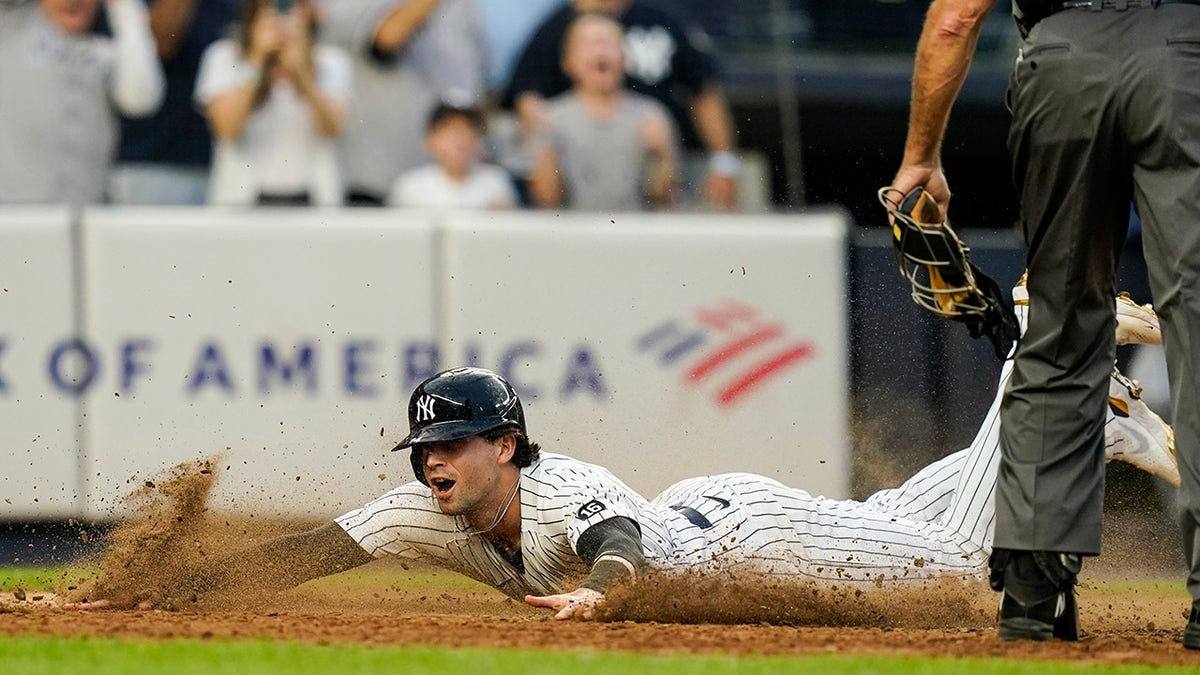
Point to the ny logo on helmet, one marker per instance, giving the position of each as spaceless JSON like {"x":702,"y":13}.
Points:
{"x":425,"y":408}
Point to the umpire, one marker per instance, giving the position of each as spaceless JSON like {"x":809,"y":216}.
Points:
{"x":1105,"y":102}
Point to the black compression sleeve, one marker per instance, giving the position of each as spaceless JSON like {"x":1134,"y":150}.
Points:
{"x":276,"y":564}
{"x":618,"y":537}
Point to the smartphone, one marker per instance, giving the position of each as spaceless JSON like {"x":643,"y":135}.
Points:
{"x":284,"y":6}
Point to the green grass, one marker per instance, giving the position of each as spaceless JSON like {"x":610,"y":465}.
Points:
{"x":1154,"y":588}
{"x":41,"y":578}
{"x":33,"y":656}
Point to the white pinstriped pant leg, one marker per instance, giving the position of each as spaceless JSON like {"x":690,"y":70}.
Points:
{"x":946,"y":511}
{"x":959,"y":490}
{"x":972,"y":513}
{"x":938,"y":522}
{"x":926,"y":495}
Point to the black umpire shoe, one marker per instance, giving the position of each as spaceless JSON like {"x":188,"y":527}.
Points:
{"x":1191,"y":634}
{"x":1037,"y":600}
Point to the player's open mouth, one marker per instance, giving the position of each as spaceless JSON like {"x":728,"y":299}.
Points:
{"x":441,"y":486}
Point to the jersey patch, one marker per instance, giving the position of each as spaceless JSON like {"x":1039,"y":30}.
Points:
{"x":591,"y":508}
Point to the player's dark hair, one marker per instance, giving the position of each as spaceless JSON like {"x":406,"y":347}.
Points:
{"x":526,"y":452}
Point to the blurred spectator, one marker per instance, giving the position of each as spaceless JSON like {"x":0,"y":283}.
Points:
{"x":609,"y":149}
{"x":61,"y":91}
{"x":665,"y":59}
{"x":275,"y":102}
{"x":164,"y":159}
{"x":457,"y":177}
{"x":506,"y":26}
{"x":408,"y":56}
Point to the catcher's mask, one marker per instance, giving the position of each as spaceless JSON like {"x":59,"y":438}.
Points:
{"x":944,"y":281}
{"x":458,"y":403}
{"x":931,"y":257}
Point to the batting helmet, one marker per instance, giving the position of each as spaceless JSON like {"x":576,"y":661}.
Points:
{"x":458,"y":403}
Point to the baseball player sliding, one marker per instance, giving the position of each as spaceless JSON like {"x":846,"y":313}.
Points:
{"x":490,"y":504}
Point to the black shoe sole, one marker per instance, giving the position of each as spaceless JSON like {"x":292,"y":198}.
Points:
{"x":1191,"y":636}
{"x":1024,"y":628}
{"x":1065,"y":627}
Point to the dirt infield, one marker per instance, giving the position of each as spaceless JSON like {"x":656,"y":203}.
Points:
{"x":1118,"y":629}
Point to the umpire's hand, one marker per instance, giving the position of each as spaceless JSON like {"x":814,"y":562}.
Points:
{"x":579,"y":604}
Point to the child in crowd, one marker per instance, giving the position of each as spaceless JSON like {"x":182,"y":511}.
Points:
{"x":457,"y":176}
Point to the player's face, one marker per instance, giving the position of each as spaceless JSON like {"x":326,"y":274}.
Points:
{"x":594,"y":56}
{"x":71,"y":16}
{"x":465,"y":475}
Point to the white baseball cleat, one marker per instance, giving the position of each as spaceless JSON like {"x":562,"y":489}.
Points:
{"x":1135,"y":434}
{"x":1136,"y":324}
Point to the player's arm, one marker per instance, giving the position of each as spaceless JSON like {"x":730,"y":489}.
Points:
{"x":274,"y":565}
{"x":944,"y":54}
{"x":613,"y":549}
{"x":284,"y":562}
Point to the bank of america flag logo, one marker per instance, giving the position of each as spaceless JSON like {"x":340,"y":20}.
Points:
{"x":731,"y":345}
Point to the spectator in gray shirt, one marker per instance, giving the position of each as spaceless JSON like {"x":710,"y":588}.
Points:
{"x":64,"y":89}
{"x":606,"y":148}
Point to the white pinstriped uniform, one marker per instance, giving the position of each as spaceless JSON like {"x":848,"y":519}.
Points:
{"x":942,"y":516}
{"x":937,"y":524}
{"x":756,"y":524}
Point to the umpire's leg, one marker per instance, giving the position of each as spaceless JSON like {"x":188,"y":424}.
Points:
{"x":1164,"y":108}
{"x":1075,"y":193}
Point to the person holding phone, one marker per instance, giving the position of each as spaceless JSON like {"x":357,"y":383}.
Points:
{"x":275,"y":101}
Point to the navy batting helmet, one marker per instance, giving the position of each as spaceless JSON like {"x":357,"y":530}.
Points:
{"x":458,"y":403}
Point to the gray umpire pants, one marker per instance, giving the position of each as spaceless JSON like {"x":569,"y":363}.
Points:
{"x":1105,"y":110}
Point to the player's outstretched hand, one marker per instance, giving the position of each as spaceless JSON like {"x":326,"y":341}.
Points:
{"x":141,"y":601}
{"x":580,"y":604}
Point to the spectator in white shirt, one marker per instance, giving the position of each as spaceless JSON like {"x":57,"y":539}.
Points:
{"x":275,"y":101}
